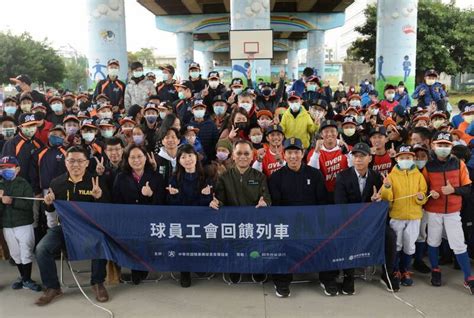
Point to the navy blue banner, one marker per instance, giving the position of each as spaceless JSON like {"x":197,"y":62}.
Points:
{"x":297,"y":239}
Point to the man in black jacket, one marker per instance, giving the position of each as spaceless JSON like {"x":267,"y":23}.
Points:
{"x":295,"y":184}
{"x":75,"y":185}
{"x":111,"y":86}
{"x":356,"y":185}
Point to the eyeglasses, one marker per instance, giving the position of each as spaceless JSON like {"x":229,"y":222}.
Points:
{"x":73,"y":161}
{"x":246,"y":154}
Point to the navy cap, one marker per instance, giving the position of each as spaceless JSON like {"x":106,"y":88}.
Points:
{"x":8,"y":161}
{"x":27,"y":119}
{"x":327,"y":123}
{"x":237,"y":81}
{"x":168,"y":67}
{"x":213,"y":74}
{"x":362,"y":148}
{"x":421,"y":147}
{"x":349,"y":120}
{"x":431,"y":72}
{"x":293,"y":143}
{"x":219,"y":98}
{"x":273,"y":128}
{"x":378,"y":130}
{"x":105,"y":122}
{"x":21,"y":78}
{"x":199,"y":103}
{"x":319,"y":102}
{"x":152,"y":106}
{"x":194,"y":65}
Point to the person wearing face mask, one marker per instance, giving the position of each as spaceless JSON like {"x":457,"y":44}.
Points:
{"x":467,"y":126}
{"x":264,"y":119}
{"x":429,"y":91}
{"x":267,"y":97}
{"x":58,"y":114}
{"x":48,"y":163}
{"x":405,"y":188}
{"x":256,"y":138}
{"x":402,"y":96}
{"x":215,"y":88}
{"x":448,"y":180}
{"x":139,"y":88}
{"x":313,"y":89}
{"x":107,"y":129}
{"x":208,"y":133}
{"x":111,"y":86}
{"x":165,"y":88}
{"x":69,"y":100}
{"x":7,"y":130}
{"x":388,"y":104}
{"x":219,"y":114}
{"x":199,"y":83}
{"x":299,"y":85}
{"x":17,"y":221}
{"x":438,"y":119}
{"x":10,"y":107}
{"x":150,"y":125}
{"x":23,"y":85}
{"x":104,"y":111}
{"x":44,"y":125}
{"x":126,"y":127}
{"x":245,"y":101}
{"x":237,"y":127}
{"x":71,"y":125}
{"x":236,"y":87}
{"x":183,"y":106}
{"x":190,"y":137}
{"x":349,"y":132}
{"x":94,"y":147}
{"x":297,"y":122}
{"x":223,"y":161}
{"x":24,"y":144}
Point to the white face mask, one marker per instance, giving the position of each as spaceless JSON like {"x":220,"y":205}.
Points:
{"x":137,"y":74}
{"x":405,"y":164}
{"x":105,"y":115}
{"x":113,"y":72}
{"x":194,"y":74}
{"x":374,"y":111}
{"x":165,"y":77}
{"x":442,"y":152}
{"x":264,"y":123}
{"x":295,"y":107}
{"x":199,"y":113}
{"x":390,"y":96}
{"x":354,"y":103}
{"x":246,"y":106}
{"x":349,"y":132}
{"x":89,"y":136}
{"x":213,"y":84}
{"x":256,"y":139}
{"x":237,"y":91}
{"x":430,"y":82}
{"x":421,"y":163}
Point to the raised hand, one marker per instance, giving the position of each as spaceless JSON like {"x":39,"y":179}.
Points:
{"x":447,"y":189}
{"x":49,"y":197}
{"x":386,"y":181}
{"x":151,"y":160}
{"x":206,"y":190}
{"x":261,"y":203}
{"x":99,"y":168}
{"x":249,"y":72}
{"x":392,"y":152}
{"x":376,"y":197}
{"x":96,"y":190}
{"x":233,"y":132}
{"x":260,"y":154}
{"x":172,"y":190}
{"x":319,"y":144}
{"x":231,"y":98}
{"x":205,"y":91}
{"x":146,"y":190}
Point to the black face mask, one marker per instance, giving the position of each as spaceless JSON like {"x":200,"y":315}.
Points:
{"x":266,"y":92}
{"x":84,"y":105}
{"x":68,"y":103}
{"x":241,"y":126}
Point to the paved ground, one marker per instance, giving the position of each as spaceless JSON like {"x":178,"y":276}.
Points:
{"x":216,"y":299}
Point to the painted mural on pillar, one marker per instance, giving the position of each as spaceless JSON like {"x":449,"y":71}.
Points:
{"x":396,"y":43}
{"x":106,"y":37}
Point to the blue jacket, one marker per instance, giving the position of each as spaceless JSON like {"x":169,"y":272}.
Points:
{"x":48,"y":164}
{"x":434,"y":92}
{"x":403,"y":99}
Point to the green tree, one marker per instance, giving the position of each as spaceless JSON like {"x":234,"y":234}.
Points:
{"x":76,"y":73}
{"x":145,"y":56}
{"x":23,"y":55}
{"x":445,"y":38}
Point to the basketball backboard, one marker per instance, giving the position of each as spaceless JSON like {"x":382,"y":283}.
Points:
{"x":251,"y":44}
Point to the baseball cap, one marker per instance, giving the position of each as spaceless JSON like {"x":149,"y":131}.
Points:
{"x":219,"y":98}
{"x":349,"y":120}
{"x":9,"y":161}
{"x":293,"y":95}
{"x":327,"y":123}
{"x":168,"y":67}
{"x":293,"y":143}
{"x":185,"y":84}
{"x":404,"y":149}
{"x":198,"y":103}
{"x":236,"y":81}
{"x":319,"y":102}
{"x":378,"y":130}
{"x":213,"y":74}
{"x":113,"y":62}
{"x":430,"y":72}
{"x":59,"y":128}
{"x":422,"y":147}
{"x":442,"y":137}
{"x":273,"y":128}
{"x":362,"y":148}
{"x":71,"y":117}
{"x":194,"y":65}
{"x":21,"y":78}
{"x":28,"y":119}
{"x":88,"y":122}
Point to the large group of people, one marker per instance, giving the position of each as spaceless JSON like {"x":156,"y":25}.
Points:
{"x":199,"y":142}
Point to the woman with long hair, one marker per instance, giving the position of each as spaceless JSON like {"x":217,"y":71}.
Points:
{"x":189,"y":186}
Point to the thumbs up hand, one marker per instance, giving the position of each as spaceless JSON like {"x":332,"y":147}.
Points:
{"x":146,"y":190}
{"x":447,"y":189}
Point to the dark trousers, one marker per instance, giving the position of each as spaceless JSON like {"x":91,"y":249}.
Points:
{"x":328,"y":276}
{"x":390,"y":248}
{"x":282,"y":280}
{"x":50,"y":246}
